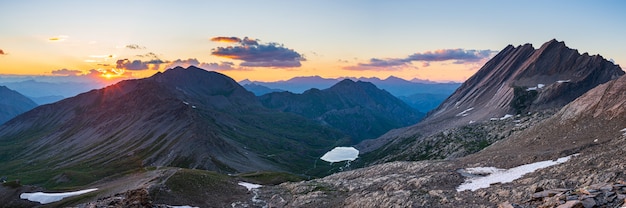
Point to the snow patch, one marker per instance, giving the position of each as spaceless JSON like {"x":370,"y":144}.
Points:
{"x":184,"y":206}
{"x":506,"y":116}
{"x":564,"y":81}
{"x":464,"y":113}
{"x":249,"y":186}
{"x":339,"y":154}
{"x":624,"y":131}
{"x":186,"y":103}
{"x":45,"y":198}
{"x":539,"y":86}
{"x":497,"y":175}
{"x":502,"y":118}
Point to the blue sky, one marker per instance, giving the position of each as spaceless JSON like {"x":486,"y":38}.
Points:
{"x":331,"y":38}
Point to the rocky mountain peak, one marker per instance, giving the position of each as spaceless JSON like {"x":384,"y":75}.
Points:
{"x":195,"y":82}
{"x":521,"y":79}
{"x":351,"y":85}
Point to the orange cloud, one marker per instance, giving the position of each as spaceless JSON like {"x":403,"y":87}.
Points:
{"x":226,"y":39}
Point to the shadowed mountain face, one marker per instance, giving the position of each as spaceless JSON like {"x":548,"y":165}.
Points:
{"x":182,"y":117}
{"x":358,"y":109}
{"x":13,"y":103}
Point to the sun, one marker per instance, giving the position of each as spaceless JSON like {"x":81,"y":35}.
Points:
{"x":107,"y":76}
{"x":111,"y":73}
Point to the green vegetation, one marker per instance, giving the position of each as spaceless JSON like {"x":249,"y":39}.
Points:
{"x":522,"y":99}
{"x":12,"y":184}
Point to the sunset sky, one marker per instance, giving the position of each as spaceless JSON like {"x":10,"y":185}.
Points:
{"x":278,"y":40}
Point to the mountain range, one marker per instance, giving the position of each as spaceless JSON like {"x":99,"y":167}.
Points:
{"x":548,"y":124}
{"x":423,"y":95}
{"x":358,"y":109}
{"x":187,"y":118}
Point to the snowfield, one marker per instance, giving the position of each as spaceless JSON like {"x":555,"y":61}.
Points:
{"x":497,"y":175}
{"x":249,"y":186}
{"x":45,"y":198}
{"x":339,"y":154}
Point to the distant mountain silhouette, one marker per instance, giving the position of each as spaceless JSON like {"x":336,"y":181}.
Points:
{"x":188,"y":118}
{"x":12,"y":103}
{"x":358,"y":109}
{"x":44,"y":92}
{"x":259,"y":90}
{"x":394,"y":85}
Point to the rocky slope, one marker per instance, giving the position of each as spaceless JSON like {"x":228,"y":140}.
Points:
{"x":516,"y":81}
{"x":591,"y":128}
{"x":358,"y":109}
{"x":188,"y":118}
{"x":12,"y":103}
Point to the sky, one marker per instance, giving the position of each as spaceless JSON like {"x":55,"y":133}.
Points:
{"x":277,"y":40}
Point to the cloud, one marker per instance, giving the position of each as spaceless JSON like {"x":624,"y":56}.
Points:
{"x":134,"y":46}
{"x":459,"y":56}
{"x":109,"y":73}
{"x":67,"y":72}
{"x":254,"y":54}
{"x":148,"y":55}
{"x":138,"y":64}
{"x":226,"y":39}
{"x":223,"y":66}
{"x":58,"y":38}
{"x":2,"y":52}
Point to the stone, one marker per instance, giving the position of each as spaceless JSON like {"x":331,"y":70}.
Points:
{"x":606,"y":188}
{"x":589,"y":202}
{"x":571,"y":204}
{"x":546,"y":193}
{"x":505,"y":204}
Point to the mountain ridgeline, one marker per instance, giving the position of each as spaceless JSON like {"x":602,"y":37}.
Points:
{"x":358,"y":109}
{"x":12,"y":103}
{"x":188,"y":118}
